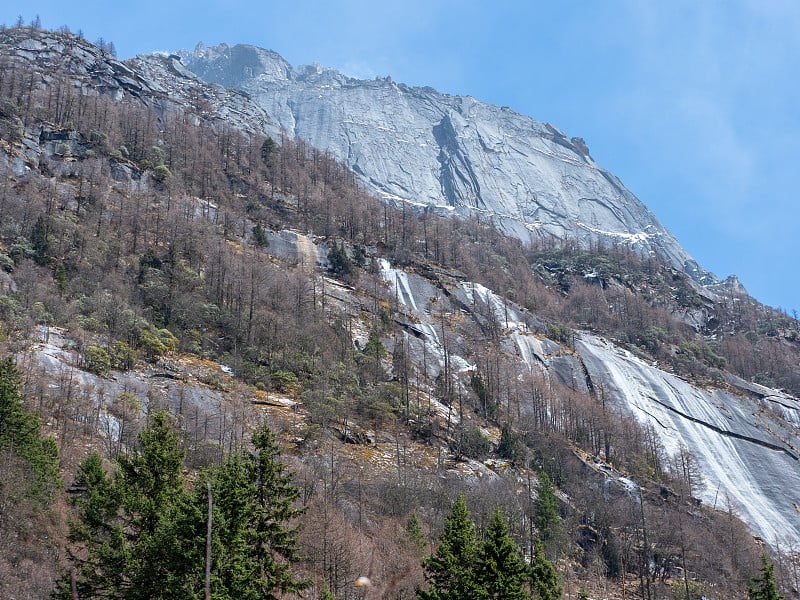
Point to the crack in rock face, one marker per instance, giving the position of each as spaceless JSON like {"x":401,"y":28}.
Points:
{"x":744,"y":456}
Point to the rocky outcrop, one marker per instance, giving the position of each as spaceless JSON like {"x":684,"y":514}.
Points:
{"x":159,"y":81}
{"x":73,"y":59}
{"x":450,"y":153}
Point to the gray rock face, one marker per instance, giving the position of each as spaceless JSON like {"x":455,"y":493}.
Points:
{"x":746,"y":448}
{"x":428,"y":149}
{"x":61,"y":58}
{"x":744,"y":438}
{"x":158,"y":80}
{"x":409,"y":145}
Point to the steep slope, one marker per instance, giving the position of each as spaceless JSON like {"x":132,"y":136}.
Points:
{"x":162,"y":82}
{"x":418,"y":146}
{"x":745,"y":438}
{"x":444,"y":337}
{"x":747,"y":449}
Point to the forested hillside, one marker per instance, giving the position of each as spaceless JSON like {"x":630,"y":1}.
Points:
{"x":179,"y":298}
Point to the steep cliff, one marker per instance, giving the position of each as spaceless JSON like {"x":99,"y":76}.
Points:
{"x":427,"y":149}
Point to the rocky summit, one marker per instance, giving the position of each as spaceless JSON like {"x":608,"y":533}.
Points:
{"x":447,"y":153}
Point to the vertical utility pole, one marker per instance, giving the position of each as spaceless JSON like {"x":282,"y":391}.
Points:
{"x":208,"y":546}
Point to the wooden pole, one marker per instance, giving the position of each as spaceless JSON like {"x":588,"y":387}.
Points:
{"x":74,"y":584}
{"x":208,"y":545}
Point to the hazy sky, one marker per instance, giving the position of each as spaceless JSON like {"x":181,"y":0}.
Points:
{"x":694,"y":105}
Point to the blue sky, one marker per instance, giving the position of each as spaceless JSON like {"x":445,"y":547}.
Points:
{"x":694,"y":105}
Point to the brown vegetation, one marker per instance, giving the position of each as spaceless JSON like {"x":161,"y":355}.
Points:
{"x":137,"y":264}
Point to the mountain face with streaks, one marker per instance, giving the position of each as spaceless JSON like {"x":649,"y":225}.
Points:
{"x":744,"y":437}
{"x":419,"y":147}
{"x":447,"y":153}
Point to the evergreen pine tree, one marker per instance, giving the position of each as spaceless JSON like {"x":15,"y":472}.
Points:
{"x":610,"y":552}
{"x":340,"y":263}
{"x":137,"y":535}
{"x":450,"y":572}
{"x":151,"y":488}
{"x":268,"y":147}
{"x":40,"y":243}
{"x":545,"y":583}
{"x":325,"y":593}
{"x":509,"y":447}
{"x":414,"y":530}
{"x":96,"y":533}
{"x":151,"y":476}
{"x":141,"y":535}
{"x":764,"y":587}
{"x":275,"y":536}
{"x":260,"y":235}
{"x":62,"y":282}
{"x":501,"y":569}
{"x":22,"y":433}
{"x":545,"y":514}
{"x":233,"y":561}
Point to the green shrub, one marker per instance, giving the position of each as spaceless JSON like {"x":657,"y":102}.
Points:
{"x":559,"y":334}
{"x":96,"y":359}
{"x":285,"y":382}
{"x":12,"y":316}
{"x":123,"y":357}
{"x":161,"y":173}
{"x":156,"y":155}
{"x":6,"y":263}
{"x":374,"y":348}
{"x":510,"y":446}
{"x":21,"y":248}
{"x":157,"y":342}
{"x":8,"y":108}
{"x":91,"y":323}
{"x":470,"y":442}
{"x":98,"y":139}
{"x":40,"y":314}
